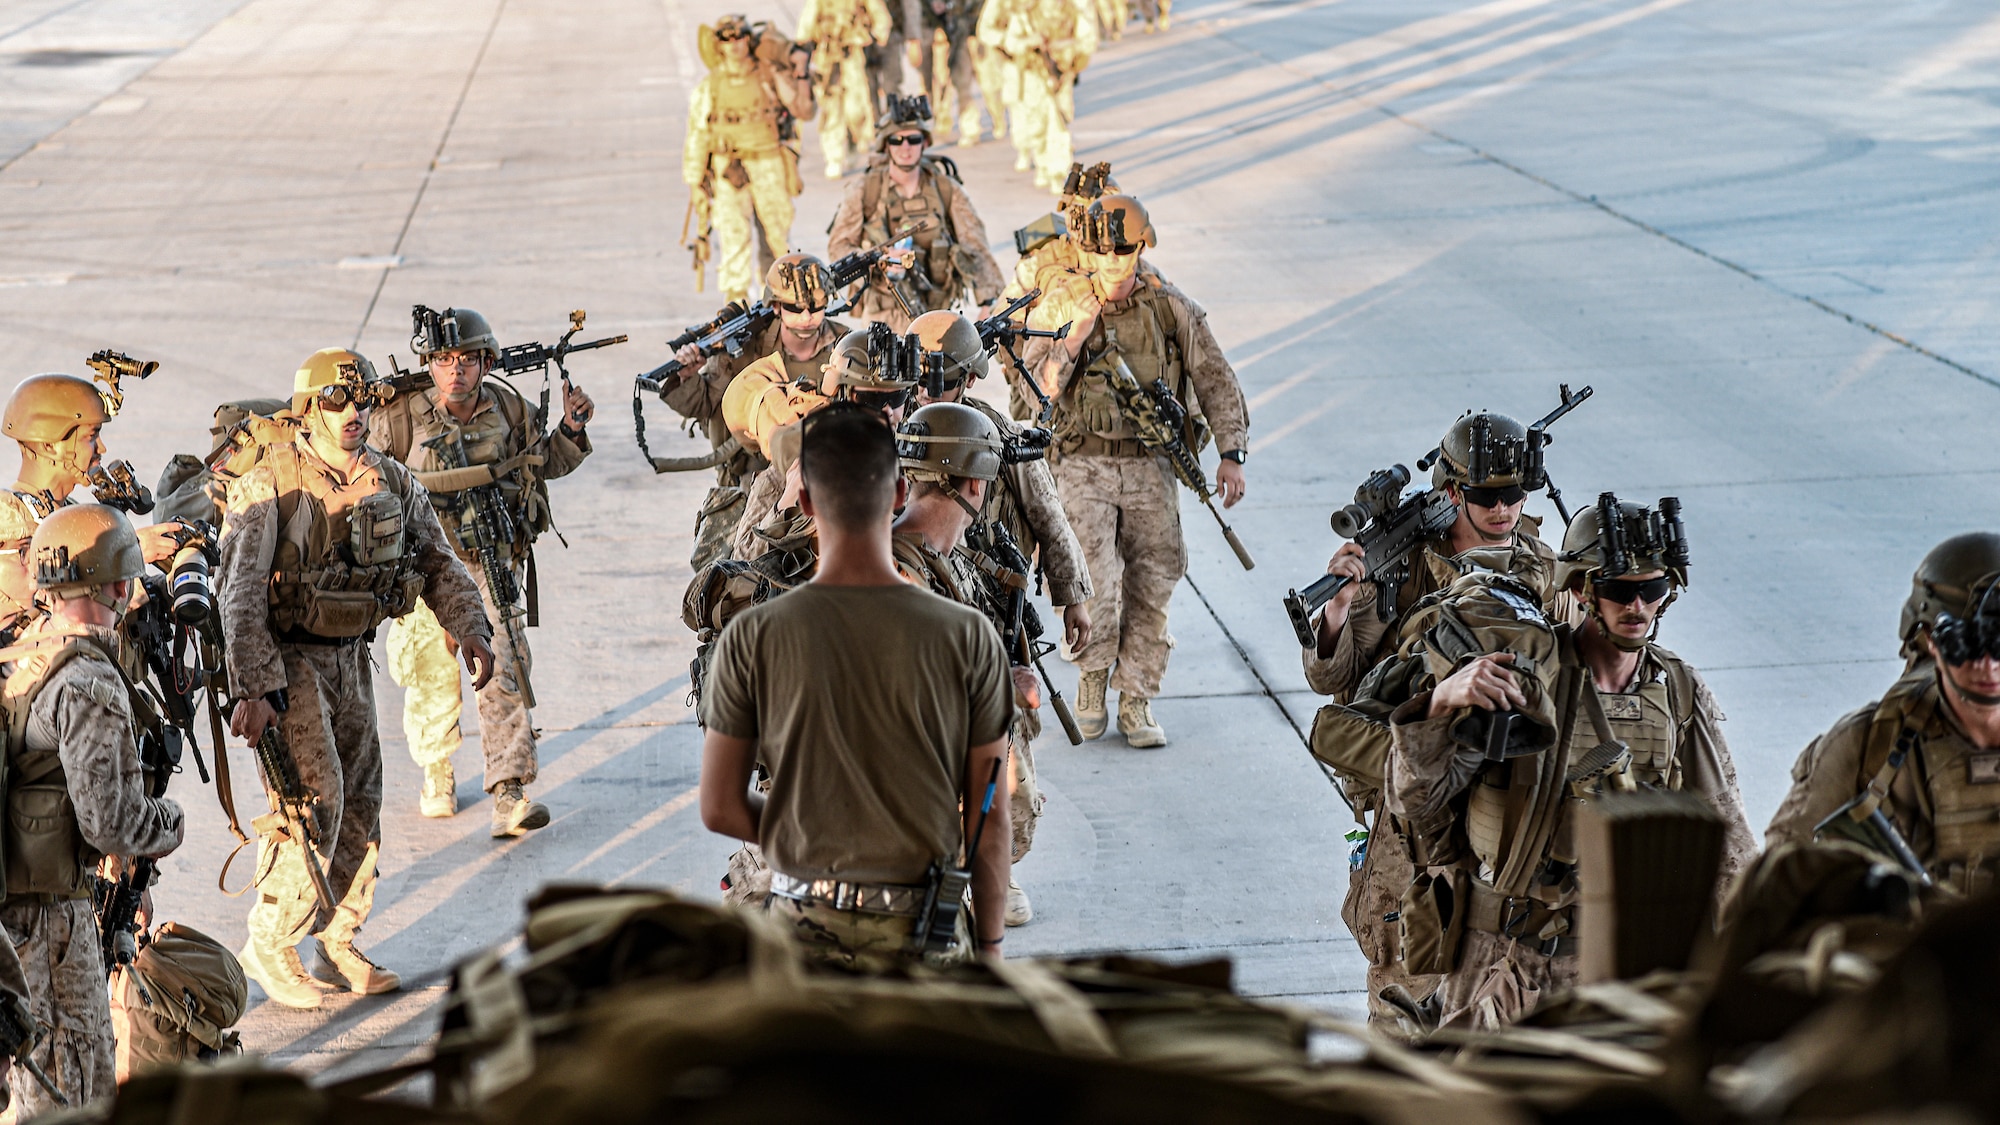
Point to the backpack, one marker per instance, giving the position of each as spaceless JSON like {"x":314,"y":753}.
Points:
{"x":193,"y":488}
{"x":177,"y":1002}
{"x":727,"y":587}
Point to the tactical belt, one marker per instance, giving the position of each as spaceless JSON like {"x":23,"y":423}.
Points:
{"x":301,"y":637}
{"x":1524,"y":919}
{"x":1090,"y":445}
{"x":868,"y":898}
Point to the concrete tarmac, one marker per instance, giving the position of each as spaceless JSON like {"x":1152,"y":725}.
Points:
{"x":1764,"y":235}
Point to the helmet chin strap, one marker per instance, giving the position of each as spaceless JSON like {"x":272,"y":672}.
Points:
{"x":1953,"y":687}
{"x":1616,"y":639}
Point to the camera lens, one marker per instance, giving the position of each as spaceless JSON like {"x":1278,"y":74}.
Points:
{"x":188,"y":583}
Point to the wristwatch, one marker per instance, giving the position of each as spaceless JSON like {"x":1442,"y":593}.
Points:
{"x":1237,"y":455}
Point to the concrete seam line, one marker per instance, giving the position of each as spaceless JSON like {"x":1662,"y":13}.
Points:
{"x":444,"y":139}
{"x":1640,"y":224}
{"x":1244,"y":655}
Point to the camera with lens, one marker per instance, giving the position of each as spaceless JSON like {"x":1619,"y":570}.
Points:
{"x":190,"y":582}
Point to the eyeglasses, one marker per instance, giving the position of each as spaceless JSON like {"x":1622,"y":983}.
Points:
{"x":797,"y":310}
{"x":1495,"y":497}
{"x":455,"y":361}
{"x":906,"y":139}
{"x":1625,"y":591}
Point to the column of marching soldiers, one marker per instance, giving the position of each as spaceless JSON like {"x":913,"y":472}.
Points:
{"x":1486,"y":686}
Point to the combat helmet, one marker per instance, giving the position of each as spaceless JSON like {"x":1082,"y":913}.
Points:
{"x":868,"y":362}
{"x":337,"y":367}
{"x":953,"y":354}
{"x":1953,"y":581}
{"x":799,"y":279}
{"x":1613,"y":538}
{"x":948,"y":440}
{"x":708,"y":40}
{"x":453,"y":330}
{"x":50,"y":408}
{"x":83,"y":548}
{"x":1112,"y":224}
{"x":1486,"y":450}
{"x":913,"y":112}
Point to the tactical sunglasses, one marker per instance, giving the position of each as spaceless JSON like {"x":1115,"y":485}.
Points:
{"x":729,"y":36}
{"x":1625,"y":591}
{"x":797,"y":310}
{"x":1495,"y":497}
{"x":907,"y":139}
{"x":884,"y":401}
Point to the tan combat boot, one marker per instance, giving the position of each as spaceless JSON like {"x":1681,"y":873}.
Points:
{"x":1091,"y":715}
{"x":1019,"y":911}
{"x":513,"y":813}
{"x":280,"y":974}
{"x":1135,"y":722}
{"x":440,"y":795}
{"x":342,"y":965}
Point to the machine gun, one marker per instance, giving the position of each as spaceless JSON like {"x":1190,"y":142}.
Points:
{"x":1001,"y":332}
{"x":1006,"y":569}
{"x":118,"y":899}
{"x":1389,"y":530}
{"x":18,"y":1036}
{"x":293,"y":805}
{"x":487,"y":529}
{"x":434,"y":331}
{"x":730,"y":330}
{"x":1161,"y":421}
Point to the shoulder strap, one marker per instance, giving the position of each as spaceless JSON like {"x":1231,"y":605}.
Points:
{"x":402,"y":427}
{"x":285,"y":478}
{"x":871,"y":195}
{"x":1893,"y":734}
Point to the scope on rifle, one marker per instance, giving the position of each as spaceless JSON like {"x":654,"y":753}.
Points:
{"x":1376,"y":498}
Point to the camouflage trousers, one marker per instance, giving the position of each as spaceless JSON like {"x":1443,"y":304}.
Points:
{"x":1373,"y":892}
{"x":331,"y":728}
{"x":767,"y":199}
{"x":990,"y":68}
{"x":958,"y":79}
{"x":57,"y":943}
{"x":846,"y":112}
{"x":1127,"y":517}
{"x":1024,"y":798}
{"x":856,"y":939}
{"x":1043,"y":134}
{"x":1112,"y":16}
{"x":433,"y":696}
{"x":1499,"y":979}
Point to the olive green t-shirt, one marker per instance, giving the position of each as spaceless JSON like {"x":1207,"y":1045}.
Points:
{"x":863,"y":701}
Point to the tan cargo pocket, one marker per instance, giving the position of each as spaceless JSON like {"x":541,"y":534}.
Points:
{"x":42,"y":841}
{"x":339,"y":613}
{"x":1433,"y":920}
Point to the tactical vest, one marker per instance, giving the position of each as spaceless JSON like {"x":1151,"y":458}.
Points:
{"x":341,"y":567}
{"x":45,"y":850}
{"x":42,"y":503}
{"x":1148,"y":337}
{"x":743,"y":113}
{"x":727,"y":587}
{"x":885,"y":214}
{"x":946,"y":575}
{"x":1961,"y":785}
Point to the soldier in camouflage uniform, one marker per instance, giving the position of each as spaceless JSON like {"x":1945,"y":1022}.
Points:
{"x":77,"y":773}
{"x":503,"y":447}
{"x":1024,"y":500}
{"x":1353,"y":638}
{"x":842,"y":32}
{"x":1924,"y":755}
{"x":739,"y":149}
{"x":1501,"y":830}
{"x":326,"y":539}
{"x":907,"y":193}
{"x":1122,"y":499}
{"x":1050,"y":43}
{"x":958,"y":20}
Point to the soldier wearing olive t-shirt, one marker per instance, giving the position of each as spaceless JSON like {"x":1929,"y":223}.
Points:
{"x":878,"y":760}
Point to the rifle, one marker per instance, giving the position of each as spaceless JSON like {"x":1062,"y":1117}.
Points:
{"x":701,"y":201}
{"x":730,"y":330}
{"x":1000,"y":332}
{"x":485,"y":527}
{"x":18,"y":1035}
{"x":1389,"y":530}
{"x":1160,"y":419}
{"x":118,"y":900}
{"x":1006,"y":569}
{"x":293,"y":806}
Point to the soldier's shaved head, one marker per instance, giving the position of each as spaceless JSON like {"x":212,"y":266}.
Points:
{"x":847,"y":460}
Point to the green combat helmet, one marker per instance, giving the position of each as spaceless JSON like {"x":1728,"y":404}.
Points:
{"x":913,"y":112}
{"x":1485,"y":450}
{"x":1115,"y":224}
{"x":1949,"y":582}
{"x":1614,"y":538}
{"x":49,"y":410}
{"x":948,"y":441}
{"x":953,"y":353}
{"x":453,"y":330}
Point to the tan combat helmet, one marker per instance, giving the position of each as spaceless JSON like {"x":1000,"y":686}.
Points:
{"x":946,"y":441}
{"x":856,"y":369}
{"x":801,"y":280}
{"x":954,"y":342}
{"x":913,"y":112}
{"x":1614,"y":538}
{"x":337,"y":367}
{"x":1949,"y":581}
{"x":81,"y":549}
{"x":1485,"y":450}
{"x":1114,"y":224}
{"x":49,"y":410}
{"x":708,"y":40}
{"x":453,"y":330}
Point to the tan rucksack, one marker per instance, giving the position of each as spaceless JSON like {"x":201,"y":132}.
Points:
{"x":193,"y":488}
{"x":177,"y":1002}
